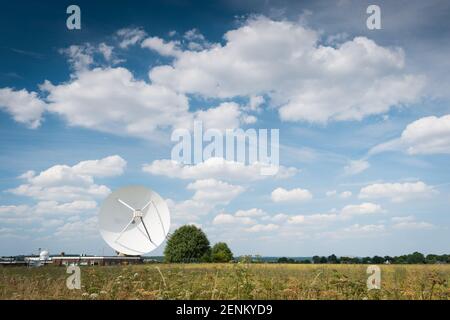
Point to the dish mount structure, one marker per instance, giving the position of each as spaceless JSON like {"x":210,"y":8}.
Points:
{"x":134,"y":220}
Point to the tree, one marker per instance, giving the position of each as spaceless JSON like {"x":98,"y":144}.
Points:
{"x":316,"y":259}
{"x":416,"y":258}
{"x":333,"y":259}
{"x":377,"y":260}
{"x":323,"y":260}
{"x":221,"y":253}
{"x":187,"y":244}
{"x":366,"y":260}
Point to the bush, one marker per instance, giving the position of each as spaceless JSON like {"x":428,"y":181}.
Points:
{"x":221,"y":253}
{"x":187,"y":244}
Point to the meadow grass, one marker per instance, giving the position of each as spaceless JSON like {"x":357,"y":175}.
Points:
{"x":227,"y":281}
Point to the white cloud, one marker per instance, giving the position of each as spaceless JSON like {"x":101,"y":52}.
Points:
{"x":262,"y":228}
{"x":169,"y":48}
{"x":429,"y":135}
{"x":214,"y":191}
{"x":345,"y":194}
{"x":356,"y":166}
{"x":342,"y":195}
{"x":53,"y":207}
{"x":106,"y":51}
{"x":66,"y":183}
{"x":188,"y":209}
{"x":365,"y":208}
{"x":196,"y":41}
{"x":80,"y":56}
{"x":279,"y":217}
{"x":225,"y":116}
{"x":285,"y":60}
{"x":217,"y":168}
{"x":331,"y":193}
{"x":345,"y":213}
{"x":25,"y":107}
{"x":106,"y":167}
{"x":225,"y":218}
{"x":255,"y":102}
{"x":397,"y":192}
{"x":410,"y":223}
{"x":130,"y":36}
{"x":356,"y":231}
{"x":254,"y":212}
{"x":209,"y":193}
{"x":79,"y":229}
{"x":316,"y":219}
{"x":294,"y":195}
{"x":17,"y":214}
{"x":111,"y":100}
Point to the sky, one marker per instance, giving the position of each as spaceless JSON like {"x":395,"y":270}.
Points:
{"x":363,"y":118}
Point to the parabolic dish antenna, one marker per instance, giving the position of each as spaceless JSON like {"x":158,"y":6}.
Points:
{"x":134,"y":220}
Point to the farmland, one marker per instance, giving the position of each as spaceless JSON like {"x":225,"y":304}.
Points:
{"x":227,"y":281}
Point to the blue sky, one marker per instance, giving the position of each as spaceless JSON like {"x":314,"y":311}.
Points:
{"x":364,"y":122}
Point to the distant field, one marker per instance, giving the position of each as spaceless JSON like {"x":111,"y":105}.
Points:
{"x":227,"y":281}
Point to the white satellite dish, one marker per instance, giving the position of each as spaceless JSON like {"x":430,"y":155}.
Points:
{"x":134,"y":220}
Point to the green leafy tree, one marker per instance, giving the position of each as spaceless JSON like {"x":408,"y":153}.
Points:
{"x":416,"y":258}
{"x":221,"y":253}
{"x":377,"y":260}
{"x":333,"y":259}
{"x":316,"y":259}
{"x":187,"y":244}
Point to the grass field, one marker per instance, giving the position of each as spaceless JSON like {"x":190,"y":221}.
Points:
{"x":227,"y":281}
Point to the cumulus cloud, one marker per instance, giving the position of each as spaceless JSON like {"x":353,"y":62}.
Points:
{"x":225,"y":218}
{"x":254,"y":212}
{"x":428,"y":135}
{"x":80,"y":56}
{"x":111,"y":100}
{"x":70,"y":183}
{"x":342,"y":195}
{"x":169,"y":48}
{"x":319,"y":218}
{"x":347,"y":212}
{"x":17,"y":214}
{"x":410,"y":223}
{"x":307,"y":80}
{"x":225,"y":116}
{"x":25,"y":107}
{"x":214,"y":167}
{"x":357,"y":231}
{"x":53,"y":207}
{"x":361,"y":209}
{"x":294,"y":195}
{"x":130,"y":36}
{"x":262,"y":228}
{"x":188,"y":210}
{"x":79,"y":229}
{"x":106,"y":167}
{"x":214,"y":191}
{"x":208,"y":195}
{"x":397,"y":192}
{"x":356,"y":166}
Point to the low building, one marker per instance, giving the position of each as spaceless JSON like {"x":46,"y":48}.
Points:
{"x":95,"y":260}
{"x":11,"y":262}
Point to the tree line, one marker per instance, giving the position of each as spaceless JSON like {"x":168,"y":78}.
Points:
{"x":190,"y":244}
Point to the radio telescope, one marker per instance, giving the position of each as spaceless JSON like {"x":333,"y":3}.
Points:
{"x":134,"y":220}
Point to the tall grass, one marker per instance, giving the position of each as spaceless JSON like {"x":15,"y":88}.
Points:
{"x":227,"y":281}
